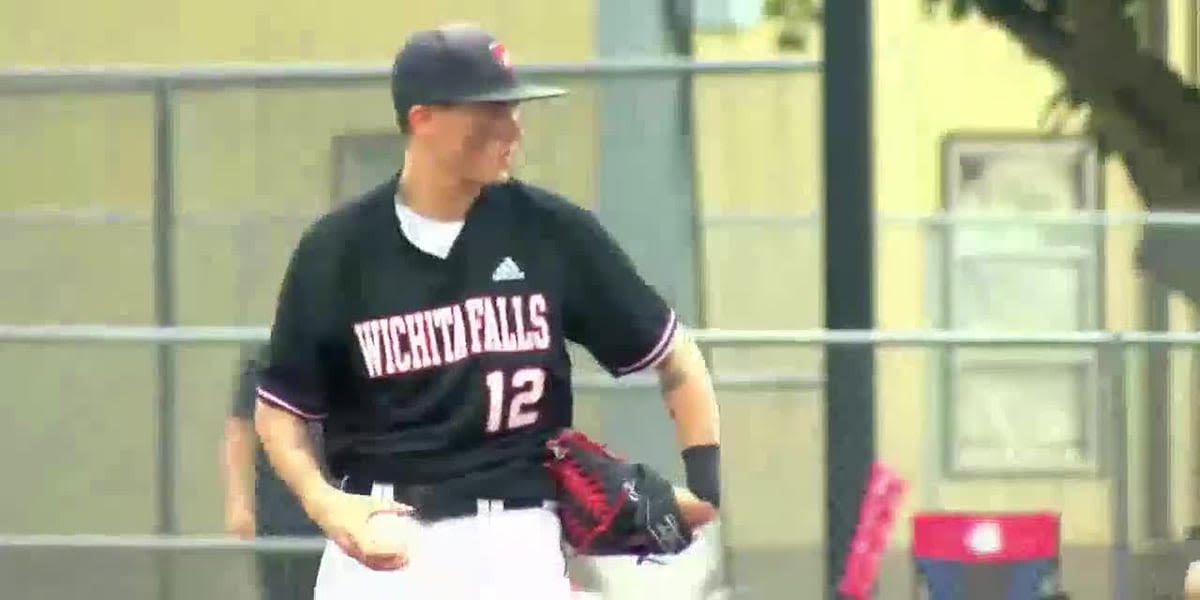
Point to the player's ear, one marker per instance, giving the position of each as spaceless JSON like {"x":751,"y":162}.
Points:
{"x":420,"y":118}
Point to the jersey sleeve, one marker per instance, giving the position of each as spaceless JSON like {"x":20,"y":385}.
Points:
{"x":294,"y":372}
{"x":246,"y":381}
{"x":611,"y":310}
{"x":245,"y":392}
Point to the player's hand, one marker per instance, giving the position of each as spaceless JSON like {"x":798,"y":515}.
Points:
{"x":239,"y":520}
{"x":353,"y":523}
{"x":696,"y":512}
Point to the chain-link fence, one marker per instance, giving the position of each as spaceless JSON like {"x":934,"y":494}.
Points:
{"x":165,"y":200}
{"x":774,"y":434}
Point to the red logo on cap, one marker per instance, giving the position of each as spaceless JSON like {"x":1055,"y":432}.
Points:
{"x":500,"y":53}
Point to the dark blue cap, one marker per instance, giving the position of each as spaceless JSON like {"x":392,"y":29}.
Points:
{"x":456,"y":64}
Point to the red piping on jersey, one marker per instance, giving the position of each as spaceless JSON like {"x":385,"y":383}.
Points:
{"x":658,"y":351}
{"x":266,"y":396}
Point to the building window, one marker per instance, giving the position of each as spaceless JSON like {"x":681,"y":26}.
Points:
{"x":1015,"y":261}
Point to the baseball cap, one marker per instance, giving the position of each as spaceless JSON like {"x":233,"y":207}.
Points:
{"x":457,"y":64}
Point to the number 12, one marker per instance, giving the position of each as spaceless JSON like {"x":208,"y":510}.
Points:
{"x":528,"y":386}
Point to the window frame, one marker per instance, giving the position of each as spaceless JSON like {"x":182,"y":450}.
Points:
{"x":1091,"y":310}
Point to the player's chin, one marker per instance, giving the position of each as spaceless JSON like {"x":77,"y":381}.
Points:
{"x":502,"y":167}
{"x":493,"y":176}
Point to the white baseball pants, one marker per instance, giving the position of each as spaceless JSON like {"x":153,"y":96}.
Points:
{"x":496,"y":554}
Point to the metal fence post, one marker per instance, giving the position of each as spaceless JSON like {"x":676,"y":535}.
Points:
{"x":1114,"y":366}
{"x":165,"y":316}
{"x":1154,"y":435}
{"x":849,"y":274}
{"x":643,"y":128}
{"x":164,"y":298}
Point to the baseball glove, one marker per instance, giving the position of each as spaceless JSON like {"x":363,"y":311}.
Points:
{"x":609,"y":506}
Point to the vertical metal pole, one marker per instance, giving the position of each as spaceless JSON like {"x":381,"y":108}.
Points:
{"x":164,"y":309}
{"x":1156,"y":437}
{"x":849,"y":272}
{"x":1191,"y":530}
{"x":1114,"y":359}
{"x":682,"y":21}
{"x":243,"y":242}
{"x":164,"y":302}
{"x":641,"y":130}
{"x":1156,"y":300}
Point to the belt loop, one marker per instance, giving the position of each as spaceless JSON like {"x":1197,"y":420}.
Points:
{"x":483,"y":507}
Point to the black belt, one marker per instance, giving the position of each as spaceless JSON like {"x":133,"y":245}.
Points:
{"x":432,"y":503}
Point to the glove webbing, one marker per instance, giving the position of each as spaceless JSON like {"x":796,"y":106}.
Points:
{"x":592,"y":501}
{"x":589,"y":491}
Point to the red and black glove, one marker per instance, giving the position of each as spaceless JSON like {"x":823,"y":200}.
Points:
{"x":609,"y":506}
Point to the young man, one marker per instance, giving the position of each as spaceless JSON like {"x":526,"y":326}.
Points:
{"x":266,"y":507}
{"x":426,"y":324}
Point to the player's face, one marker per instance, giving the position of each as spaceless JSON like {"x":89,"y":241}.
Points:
{"x":478,"y":141}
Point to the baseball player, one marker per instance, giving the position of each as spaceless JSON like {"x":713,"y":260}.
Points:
{"x":267,"y":508}
{"x":425,"y":324}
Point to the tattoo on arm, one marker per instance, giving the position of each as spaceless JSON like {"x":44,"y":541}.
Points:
{"x":673,"y":371}
{"x":671,"y":377}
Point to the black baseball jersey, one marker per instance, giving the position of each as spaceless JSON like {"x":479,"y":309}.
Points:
{"x":454,"y":371}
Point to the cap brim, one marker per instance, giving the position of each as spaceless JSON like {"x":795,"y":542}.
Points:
{"x":518,"y":93}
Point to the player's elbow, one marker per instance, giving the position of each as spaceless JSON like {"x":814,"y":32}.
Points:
{"x":272,"y":423}
{"x":682,"y":363}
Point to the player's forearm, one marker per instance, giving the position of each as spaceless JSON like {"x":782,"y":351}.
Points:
{"x":286,"y":443}
{"x":236,"y":460}
{"x":688,"y":391}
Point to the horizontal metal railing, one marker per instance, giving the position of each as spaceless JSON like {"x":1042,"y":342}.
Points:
{"x":1094,"y":219}
{"x":945,"y":219}
{"x":161,"y":542}
{"x":139,"y":77}
{"x":105,"y":334}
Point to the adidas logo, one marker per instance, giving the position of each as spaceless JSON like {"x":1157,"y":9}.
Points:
{"x":508,"y":270}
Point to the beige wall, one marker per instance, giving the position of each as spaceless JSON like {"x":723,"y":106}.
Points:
{"x":266,"y":149}
{"x":932,"y":79}
{"x":89,"y":417}
{"x":62,"y":32}
{"x":759,"y":153}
